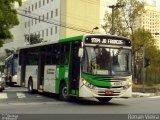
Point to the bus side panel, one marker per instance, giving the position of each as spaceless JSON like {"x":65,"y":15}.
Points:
{"x":61,"y":76}
{"x":50,"y":78}
{"x":31,"y":71}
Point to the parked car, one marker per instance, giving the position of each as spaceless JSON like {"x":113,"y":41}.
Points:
{"x":2,"y":82}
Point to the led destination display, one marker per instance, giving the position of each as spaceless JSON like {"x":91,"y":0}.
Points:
{"x":107,"y":41}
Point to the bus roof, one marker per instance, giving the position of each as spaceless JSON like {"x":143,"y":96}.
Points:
{"x":75,"y":38}
{"x":71,"y":39}
{"x":59,"y":41}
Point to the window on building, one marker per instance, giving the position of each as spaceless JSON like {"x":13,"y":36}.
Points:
{"x":29,"y":23}
{"x":35,"y":21}
{"x":51,"y":31}
{"x":39,"y":3}
{"x":39,"y":19}
{"x":43,"y":16}
{"x":32,"y":7}
{"x":25,"y":24}
{"x":56,"y":30}
{"x":42,"y":33}
{"x":43,"y":2}
{"x":26,"y":11}
{"x":56,"y":12}
{"x":36,"y":5}
{"x":47,"y":32}
{"x":51,"y":14}
{"x":47,"y":15}
{"x":32,"y":21}
{"x":29,"y":8}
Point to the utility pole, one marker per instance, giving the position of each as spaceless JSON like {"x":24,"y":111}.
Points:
{"x":29,"y":24}
{"x":144,"y":70}
{"x":114,"y":7}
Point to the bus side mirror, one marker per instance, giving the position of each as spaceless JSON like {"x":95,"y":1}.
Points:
{"x":80,"y":52}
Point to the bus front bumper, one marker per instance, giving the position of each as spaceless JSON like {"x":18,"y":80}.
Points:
{"x":85,"y":91}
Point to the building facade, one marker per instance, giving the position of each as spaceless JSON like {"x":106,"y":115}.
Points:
{"x":150,"y":20}
{"x":53,"y":20}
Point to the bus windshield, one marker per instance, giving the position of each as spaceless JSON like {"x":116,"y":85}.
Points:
{"x":106,"y":61}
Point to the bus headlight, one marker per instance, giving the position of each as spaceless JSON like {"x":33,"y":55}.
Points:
{"x":87,"y":84}
{"x":128,"y":85}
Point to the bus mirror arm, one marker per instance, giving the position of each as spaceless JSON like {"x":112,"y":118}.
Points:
{"x":80,"y":52}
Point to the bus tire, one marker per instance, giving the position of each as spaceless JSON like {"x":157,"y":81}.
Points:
{"x":63,"y":95}
{"x":30,"y":87}
{"x":104,"y":100}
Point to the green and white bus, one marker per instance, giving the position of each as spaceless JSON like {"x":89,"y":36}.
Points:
{"x":87,"y":66}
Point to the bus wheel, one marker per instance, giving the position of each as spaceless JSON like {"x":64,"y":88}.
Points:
{"x":63,"y":94}
{"x":30,"y":86}
{"x":104,"y":100}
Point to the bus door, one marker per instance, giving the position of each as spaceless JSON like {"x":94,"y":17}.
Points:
{"x":74,"y":74}
{"x":41,"y":71}
{"x":23,"y":69}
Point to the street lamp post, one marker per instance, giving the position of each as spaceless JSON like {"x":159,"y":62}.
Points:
{"x":144,"y":70}
{"x":29,"y":24}
{"x":114,"y":7}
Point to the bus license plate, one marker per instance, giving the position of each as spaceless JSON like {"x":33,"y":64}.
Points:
{"x":116,"y":84}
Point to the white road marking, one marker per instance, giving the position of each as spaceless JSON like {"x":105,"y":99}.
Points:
{"x":155,"y":97}
{"x":7,"y":88}
{"x":39,"y":103}
{"x":3,"y":96}
{"x":21,"y":95}
{"x":38,"y":96}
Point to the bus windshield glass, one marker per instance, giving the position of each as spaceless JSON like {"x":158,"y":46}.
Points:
{"x":106,"y":61}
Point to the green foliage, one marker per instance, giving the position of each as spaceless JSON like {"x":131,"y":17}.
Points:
{"x":124,"y":24}
{"x":8,"y":18}
{"x":33,"y":38}
{"x":9,"y":52}
{"x":124,"y":18}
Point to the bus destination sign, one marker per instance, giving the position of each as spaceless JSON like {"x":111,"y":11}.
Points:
{"x":107,"y":41}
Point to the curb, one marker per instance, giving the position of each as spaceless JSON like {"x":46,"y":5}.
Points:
{"x":138,"y":94}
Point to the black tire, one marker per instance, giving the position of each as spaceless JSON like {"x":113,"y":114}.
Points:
{"x":104,"y":100}
{"x":63,"y":95}
{"x":30,"y":87}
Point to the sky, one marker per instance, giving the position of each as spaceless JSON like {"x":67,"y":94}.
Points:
{"x":152,"y":2}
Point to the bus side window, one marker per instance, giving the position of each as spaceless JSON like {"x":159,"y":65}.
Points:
{"x":33,"y":59}
{"x":52,"y":55}
{"x":65,"y":53}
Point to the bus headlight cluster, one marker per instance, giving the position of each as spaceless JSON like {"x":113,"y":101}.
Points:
{"x":128,"y":85}
{"x":87,"y":84}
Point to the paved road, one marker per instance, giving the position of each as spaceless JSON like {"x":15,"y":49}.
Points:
{"x":20,"y":95}
{"x":18,"y":100}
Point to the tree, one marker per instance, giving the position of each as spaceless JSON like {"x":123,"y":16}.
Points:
{"x":33,"y":38}
{"x":125,"y":17}
{"x":124,"y":21}
{"x":143,"y":41}
{"x":9,"y":52}
{"x":8,"y":18}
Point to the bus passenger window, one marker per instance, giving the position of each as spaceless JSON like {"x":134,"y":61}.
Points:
{"x":65,"y":54}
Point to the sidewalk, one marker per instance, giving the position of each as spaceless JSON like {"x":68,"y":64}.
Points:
{"x":139,"y":94}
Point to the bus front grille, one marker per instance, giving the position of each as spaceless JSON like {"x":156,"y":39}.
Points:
{"x":103,"y":93}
